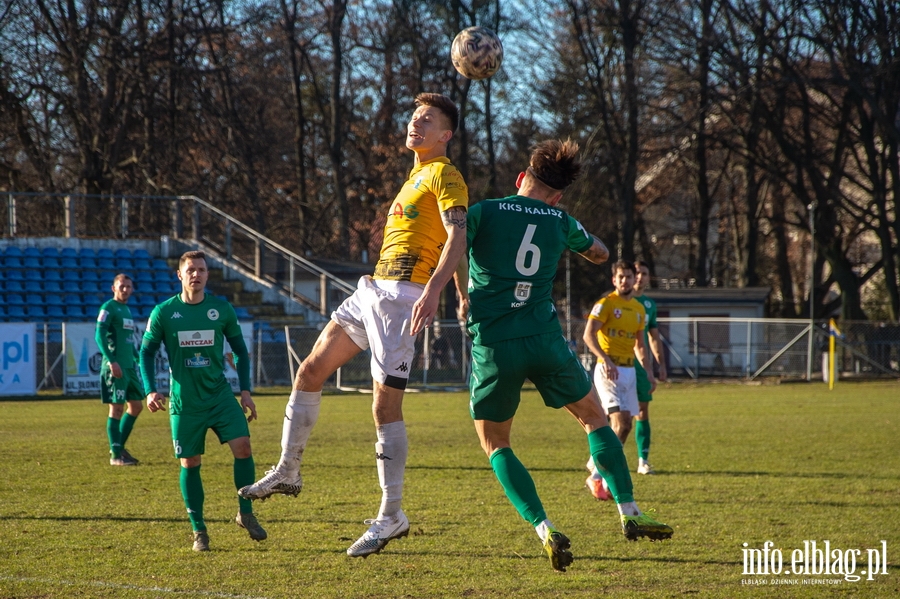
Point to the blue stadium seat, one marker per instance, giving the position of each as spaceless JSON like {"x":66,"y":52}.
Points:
{"x":75,"y":311}
{"x":71,"y":287}
{"x":15,"y":299}
{"x":15,"y":313}
{"x":105,"y":253}
{"x":32,"y":261}
{"x":90,"y":287}
{"x":13,"y":251}
{"x":71,"y":275}
{"x":124,"y":264}
{"x":2,"y":283}
{"x":142,"y":264}
{"x":33,"y":299}
{"x":68,"y":262}
{"x":122,"y":253}
{"x":144,"y":312}
{"x":50,"y":262}
{"x":106,"y":264}
{"x":31,"y":252}
{"x":55,"y":312}
{"x":243,"y":313}
{"x":159,"y":264}
{"x":15,"y":286}
{"x":145,"y":299}
{"x":13,"y":275}
{"x":90,"y":275}
{"x":68,"y":253}
{"x":52,"y":287}
{"x":142,"y":253}
{"x":13,"y":262}
{"x":107,"y":276}
{"x":72,"y":299}
{"x":33,"y":275}
{"x":52,"y":275}
{"x":36,"y":312}
{"x":53,"y":299}
{"x":163,"y":275}
{"x":162,"y":297}
{"x":50,"y":252}
{"x":33,"y":287}
{"x":2,"y":311}
{"x":87,"y":262}
{"x":87,"y":253}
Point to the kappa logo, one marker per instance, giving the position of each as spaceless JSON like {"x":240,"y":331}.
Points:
{"x":403,"y":367}
{"x":176,"y":315}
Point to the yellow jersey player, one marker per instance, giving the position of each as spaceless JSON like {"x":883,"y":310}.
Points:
{"x":613,"y":332}
{"x":424,"y":239}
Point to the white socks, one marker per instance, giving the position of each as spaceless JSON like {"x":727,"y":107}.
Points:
{"x":543,"y":529}
{"x":300,"y":417}
{"x":628,"y":509}
{"x":390,"y":453}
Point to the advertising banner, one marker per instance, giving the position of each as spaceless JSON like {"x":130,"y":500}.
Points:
{"x":17,"y":359}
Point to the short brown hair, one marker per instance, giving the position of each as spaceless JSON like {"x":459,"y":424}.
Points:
{"x":120,"y":277}
{"x":623,"y":266}
{"x":192,"y":255}
{"x":640,"y":263}
{"x":555,"y":163}
{"x":445,"y":105}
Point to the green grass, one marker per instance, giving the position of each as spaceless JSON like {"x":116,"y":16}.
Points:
{"x":736,"y":464}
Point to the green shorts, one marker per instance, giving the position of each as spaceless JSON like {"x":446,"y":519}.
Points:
{"x":643,"y":383}
{"x":500,"y":369}
{"x":119,"y":391}
{"x":226,"y":419}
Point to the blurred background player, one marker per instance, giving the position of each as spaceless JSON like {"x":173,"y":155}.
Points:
{"x":193,"y":325}
{"x":614,"y":334}
{"x":119,"y":383}
{"x":424,"y":240}
{"x":644,"y":388}
{"x":515,"y":245}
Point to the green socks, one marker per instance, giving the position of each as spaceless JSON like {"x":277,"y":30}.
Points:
{"x":518,"y":485}
{"x":192,"y":491}
{"x":125,"y":427}
{"x":641,"y":438}
{"x":244,"y":474}
{"x":115,"y":437}
{"x":606,"y":449}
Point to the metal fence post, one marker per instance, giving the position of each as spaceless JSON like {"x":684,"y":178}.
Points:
{"x":323,"y":294}
{"x":124,"y":215}
{"x":749,"y":337}
{"x":195,"y":222}
{"x":228,"y":239}
{"x":697,"y":346}
{"x":258,"y":258}
{"x":177,"y":219}
{"x":11,"y":209}
{"x":69,"y":216}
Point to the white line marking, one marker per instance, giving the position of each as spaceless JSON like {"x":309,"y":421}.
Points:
{"x":127,"y":587}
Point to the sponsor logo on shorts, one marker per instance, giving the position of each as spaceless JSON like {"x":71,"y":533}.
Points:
{"x":198,"y":361}
{"x":212,"y":314}
{"x":196,"y":338}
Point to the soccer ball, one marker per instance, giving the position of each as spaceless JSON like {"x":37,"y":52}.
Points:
{"x":476,"y":53}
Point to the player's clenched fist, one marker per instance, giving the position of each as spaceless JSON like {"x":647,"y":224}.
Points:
{"x":156,"y":402}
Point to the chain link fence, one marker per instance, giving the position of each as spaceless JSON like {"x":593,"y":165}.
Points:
{"x":693,"y":348}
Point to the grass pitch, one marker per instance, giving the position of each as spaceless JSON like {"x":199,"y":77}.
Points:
{"x":735,"y":464}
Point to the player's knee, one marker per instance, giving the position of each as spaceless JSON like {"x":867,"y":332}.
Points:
{"x":135,"y":408}
{"x":241,"y":448}
{"x":115,"y":410}
{"x":191,"y":462}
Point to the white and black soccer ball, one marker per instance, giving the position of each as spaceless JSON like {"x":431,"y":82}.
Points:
{"x":476,"y":53}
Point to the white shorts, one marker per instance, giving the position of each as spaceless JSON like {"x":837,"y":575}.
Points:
{"x":619,"y":395}
{"x":378,"y":316}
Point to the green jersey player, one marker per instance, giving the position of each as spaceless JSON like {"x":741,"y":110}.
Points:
{"x":644,"y":387}
{"x":515,"y":244}
{"x":193,"y":326}
{"x":119,"y":383}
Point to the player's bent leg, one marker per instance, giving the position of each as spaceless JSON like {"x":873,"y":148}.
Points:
{"x":332,"y":349}
{"x":620,"y":421}
{"x":642,"y":438}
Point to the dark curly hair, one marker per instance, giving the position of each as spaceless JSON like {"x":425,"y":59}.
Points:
{"x":555,"y":163}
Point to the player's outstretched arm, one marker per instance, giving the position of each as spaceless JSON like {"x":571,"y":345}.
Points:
{"x":425,"y":308}
{"x":597,"y":253}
